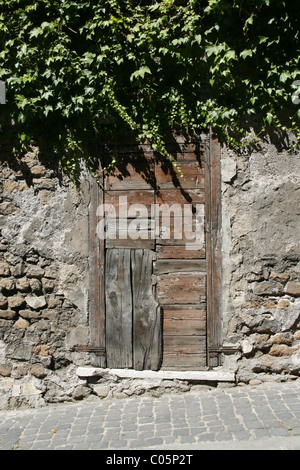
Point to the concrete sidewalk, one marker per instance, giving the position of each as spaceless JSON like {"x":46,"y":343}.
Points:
{"x":261,"y":417}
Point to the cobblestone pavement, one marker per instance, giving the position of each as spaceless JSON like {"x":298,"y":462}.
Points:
{"x":231,"y":418}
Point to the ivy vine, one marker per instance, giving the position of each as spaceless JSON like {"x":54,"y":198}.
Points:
{"x":77,"y":73}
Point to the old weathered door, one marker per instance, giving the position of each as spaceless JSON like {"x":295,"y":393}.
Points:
{"x":151,"y":273}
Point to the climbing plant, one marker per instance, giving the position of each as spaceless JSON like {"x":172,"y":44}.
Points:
{"x":81,"y":72}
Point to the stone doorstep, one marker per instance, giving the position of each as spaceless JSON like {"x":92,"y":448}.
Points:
{"x":199,"y":376}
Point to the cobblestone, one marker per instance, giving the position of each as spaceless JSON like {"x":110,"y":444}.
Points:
{"x":236,"y":415}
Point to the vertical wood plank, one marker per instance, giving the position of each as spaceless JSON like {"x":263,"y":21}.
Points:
{"x":96,"y":277}
{"x":118,"y":296}
{"x":147,"y":314}
{"x":213,"y":243}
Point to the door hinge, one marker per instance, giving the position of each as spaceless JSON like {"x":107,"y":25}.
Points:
{"x":225,"y":349}
{"x":98,"y":350}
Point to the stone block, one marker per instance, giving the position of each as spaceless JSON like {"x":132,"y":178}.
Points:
{"x":21,"y":324}
{"x":43,"y":350}
{"x":35,"y":271}
{"x":22,"y":284}
{"x":7,"y":208}
{"x":29,"y":314}
{"x":7,"y":314}
{"x":38,"y":171}
{"x":4,"y":269}
{"x":264,"y":288}
{"x":7,"y":284}
{"x":22,"y":351}
{"x":54,"y":303}
{"x":16,"y":302}
{"x":293,"y":288}
{"x":284,"y":304}
{"x":281,"y":350}
{"x":42,"y":325}
{"x":282,"y":338}
{"x":280,"y":277}
{"x":43,"y":183}
{"x":36,"y":302}
{"x":49,"y":314}
{"x":3,"y":301}
{"x":48,"y":285}
{"x":17,"y":270}
{"x":37,"y":370}
{"x":51,"y":272}
{"x":11,"y":186}
{"x":81,"y":392}
{"x":5,"y":370}
{"x":35,"y":285}
{"x":101,"y":390}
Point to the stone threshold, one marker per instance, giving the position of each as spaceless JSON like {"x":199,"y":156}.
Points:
{"x":214,"y":375}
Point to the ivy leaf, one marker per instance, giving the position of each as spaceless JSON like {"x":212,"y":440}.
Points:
{"x":246,"y":53}
{"x":269,"y":118}
{"x":262,"y":39}
{"x":230,"y":55}
{"x":47,"y":110}
{"x":89,"y":90}
{"x":140,"y":73}
{"x":284,"y":76}
{"x":35,"y":32}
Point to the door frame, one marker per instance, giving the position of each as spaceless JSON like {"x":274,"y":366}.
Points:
{"x":213,"y":218}
{"x":97,"y":337}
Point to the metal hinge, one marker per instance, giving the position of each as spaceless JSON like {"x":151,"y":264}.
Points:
{"x":98,"y":350}
{"x":225,"y":349}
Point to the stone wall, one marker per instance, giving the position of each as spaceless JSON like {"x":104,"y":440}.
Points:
{"x":44,"y":278}
{"x":261,"y":261}
{"x":43,"y":283}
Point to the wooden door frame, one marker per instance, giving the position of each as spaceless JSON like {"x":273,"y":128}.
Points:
{"x":97,"y":339}
{"x":213,"y":249}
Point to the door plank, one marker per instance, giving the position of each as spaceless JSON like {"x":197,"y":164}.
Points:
{"x":119,"y":199}
{"x":181,"y":288}
{"x":130,"y":176}
{"x":166,"y":266}
{"x":184,"y":327}
{"x":180,"y":196}
{"x":139,"y":243}
{"x":147,"y":314}
{"x":118,"y":295}
{"x":175,"y":344}
{"x":178,"y":252}
{"x":190,"y":312}
{"x":167,"y":176}
{"x":184,"y":361}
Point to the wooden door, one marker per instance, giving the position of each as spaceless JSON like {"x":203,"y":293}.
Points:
{"x":151,"y":286}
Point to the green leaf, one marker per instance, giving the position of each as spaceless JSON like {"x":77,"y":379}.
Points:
{"x":262,"y":39}
{"x":269,"y":118}
{"x":284,"y":77}
{"x":246,"y":53}
{"x":249,"y":21}
{"x":140,"y":73}
{"x":89,"y":90}
{"x":231,"y":55}
{"x":47,"y":110}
